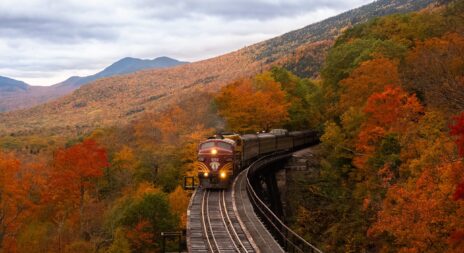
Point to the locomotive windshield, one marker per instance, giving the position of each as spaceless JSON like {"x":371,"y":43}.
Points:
{"x":224,"y":145}
{"x":207,"y":145}
{"x":219,"y":144}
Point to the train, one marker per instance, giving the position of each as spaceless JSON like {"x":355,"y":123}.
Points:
{"x":225,"y":155}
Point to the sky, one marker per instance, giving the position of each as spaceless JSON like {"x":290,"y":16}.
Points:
{"x":43,"y":42}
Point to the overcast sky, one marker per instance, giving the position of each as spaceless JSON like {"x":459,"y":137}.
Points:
{"x":43,"y":42}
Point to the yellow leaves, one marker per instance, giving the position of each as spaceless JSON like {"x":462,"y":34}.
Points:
{"x":145,"y":188}
{"x":179,"y":200}
{"x":333,"y":135}
{"x":125,"y":159}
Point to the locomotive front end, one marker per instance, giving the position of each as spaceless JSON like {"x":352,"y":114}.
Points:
{"x":216,"y":163}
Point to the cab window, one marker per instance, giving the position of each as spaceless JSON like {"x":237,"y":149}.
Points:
{"x":224,"y":145}
{"x":207,"y":145}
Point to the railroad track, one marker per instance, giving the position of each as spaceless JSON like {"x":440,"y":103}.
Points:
{"x":217,"y":228}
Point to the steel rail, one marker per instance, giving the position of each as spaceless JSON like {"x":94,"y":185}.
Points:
{"x":230,"y":225}
{"x":290,"y":241}
{"x":207,"y":223}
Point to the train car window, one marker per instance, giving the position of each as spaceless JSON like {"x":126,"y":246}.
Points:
{"x":224,"y":145}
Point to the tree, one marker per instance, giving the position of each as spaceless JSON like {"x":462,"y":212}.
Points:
{"x":120,"y":243}
{"x":144,"y":215}
{"x":457,"y":130}
{"x":178,"y":201}
{"x":440,"y":78}
{"x":304,"y":97}
{"x":421,"y":214}
{"x":370,"y":77}
{"x":73,"y":176}
{"x":251,"y":105}
{"x":391,"y":111}
{"x":18,"y":198}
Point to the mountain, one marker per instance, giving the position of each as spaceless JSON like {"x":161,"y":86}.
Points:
{"x":123,"y":66}
{"x":12,"y":85}
{"x":18,"y":95}
{"x":120,"y":99}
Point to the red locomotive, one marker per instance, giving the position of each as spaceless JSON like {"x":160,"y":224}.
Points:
{"x":221,"y":158}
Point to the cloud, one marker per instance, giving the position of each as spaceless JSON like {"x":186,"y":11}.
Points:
{"x":44,"y":41}
{"x":240,"y":9}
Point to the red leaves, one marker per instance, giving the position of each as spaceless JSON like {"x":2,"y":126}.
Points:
{"x":457,"y":129}
{"x":393,"y":108}
{"x":141,"y":235}
{"x":459,"y":193}
{"x":390,"y":111}
{"x":86,"y":159}
{"x":17,"y":186}
{"x":72,"y":174}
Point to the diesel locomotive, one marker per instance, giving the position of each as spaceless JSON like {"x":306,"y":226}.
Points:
{"x":222,"y":157}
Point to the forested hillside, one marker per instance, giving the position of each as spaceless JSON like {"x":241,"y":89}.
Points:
{"x":392,"y":173}
{"x":16,"y":95}
{"x":121,"y":99}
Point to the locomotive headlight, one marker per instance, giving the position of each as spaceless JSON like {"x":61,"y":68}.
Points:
{"x":223,"y":174}
{"x":213,"y":151}
{"x":205,"y":174}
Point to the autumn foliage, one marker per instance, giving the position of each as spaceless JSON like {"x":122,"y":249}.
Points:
{"x":457,"y":129}
{"x":390,"y":178}
{"x":15,"y":202}
{"x":250,"y":105}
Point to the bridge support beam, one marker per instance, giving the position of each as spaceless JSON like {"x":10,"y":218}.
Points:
{"x":268,"y":189}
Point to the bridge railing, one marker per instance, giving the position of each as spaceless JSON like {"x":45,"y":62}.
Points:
{"x":288,"y":239}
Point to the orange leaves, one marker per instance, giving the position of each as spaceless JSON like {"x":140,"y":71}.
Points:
{"x":86,"y":159}
{"x":420,"y":213}
{"x":250,"y":105}
{"x":371,"y":76}
{"x":435,"y":69}
{"x":11,"y":196}
{"x":74,"y":168}
{"x":73,"y":173}
{"x":141,"y":234}
{"x":391,"y":111}
{"x":16,"y":195}
{"x":178,"y":201}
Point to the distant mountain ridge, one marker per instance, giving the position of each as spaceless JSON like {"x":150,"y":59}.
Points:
{"x":123,"y":66}
{"x":12,"y":85}
{"x":120,"y":99}
{"x":16,"y":94}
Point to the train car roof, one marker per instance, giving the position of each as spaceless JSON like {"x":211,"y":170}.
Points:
{"x":249,"y":137}
{"x":266,"y":135}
